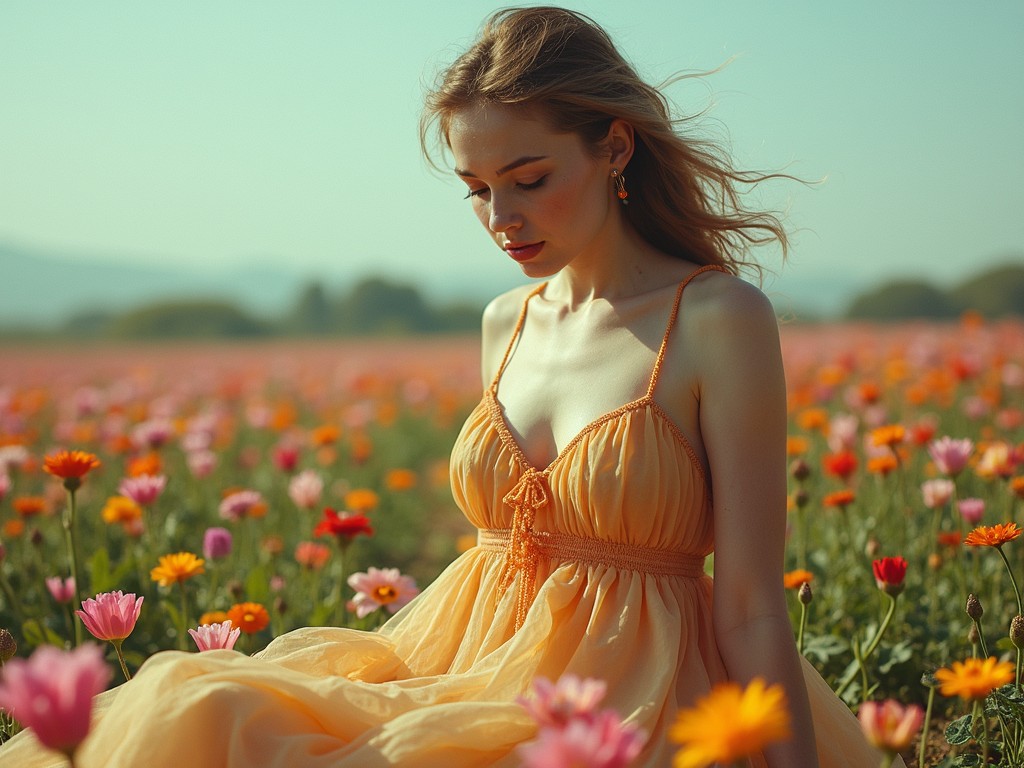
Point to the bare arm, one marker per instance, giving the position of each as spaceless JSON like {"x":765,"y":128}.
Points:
{"x":743,"y":424}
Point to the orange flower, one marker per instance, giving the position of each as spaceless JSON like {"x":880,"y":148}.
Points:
{"x":326,"y":434}
{"x":121,"y":509}
{"x":974,"y":678}
{"x":177,"y":568}
{"x":841,"y":499}
{"x":796,"y":579}
{"x":70,"y":466}
{"x":13,"y":528}
{"x":992,"y":535}
{"x":29,"y":506}
{"x":869,"y":392}
{"x":883,"y":465}
{"x":950,"y":539}
{"x":213,"y":617}
{"x":889,"y":435}
{"x":812,"y":418}
{"x":249,"y":617}
{"x":796,"y":445}
{"x":1017,"y":486}
{"x":361,"y":500}
{"x":147,"y":464}
{"x":400,"y":479}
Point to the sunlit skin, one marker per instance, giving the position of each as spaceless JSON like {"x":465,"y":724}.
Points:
{"x":590,"y":343}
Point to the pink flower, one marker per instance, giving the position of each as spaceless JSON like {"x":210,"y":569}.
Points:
{"x":111,"y":615}
{"x":971,"y":510}
{"x":237,"y":505}
{"x":285,"y":456}
{"x":937,"y":492}
{"x":5,"y":484}
{"x":144,"y":489}
{"x":311,"y":555}
{"x":379,"y":587}
{"x":52,"y":693}
{"x":601,"y":741}
{"x":212,"y":637}
{"x":152,"y":434}
{"x":62,"y":590}
{"x":555,"y":704}
{"x":889,"y":725}
{"x":216,"y":543}
{"x":842,"y":432}
{"x":951,"y":456}
{"x":201,"y":463}
{"x":305,"y":489}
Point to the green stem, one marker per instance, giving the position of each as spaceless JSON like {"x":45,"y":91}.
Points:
{"x":803,"y":626}
{"x":182,"y":645}
{"x":120,"y":658}
{"x":926,"y":726}
{"x":69,"y":536}
{"x":981,"y":639}
{"x":862,"y":658}
{"x":341,"y":614}
{"x":1013,"y":581}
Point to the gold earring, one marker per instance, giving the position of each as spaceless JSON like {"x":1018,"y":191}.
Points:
{"x":620,"y":186}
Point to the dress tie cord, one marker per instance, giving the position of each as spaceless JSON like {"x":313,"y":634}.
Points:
{"x":526,"y":497}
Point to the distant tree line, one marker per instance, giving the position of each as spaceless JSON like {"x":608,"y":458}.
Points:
{"x":374,"y":306}
{"x":998,"y":292}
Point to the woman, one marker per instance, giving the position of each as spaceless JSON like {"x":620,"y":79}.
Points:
{"x":638,"y":378}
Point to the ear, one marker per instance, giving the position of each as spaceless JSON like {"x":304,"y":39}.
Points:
{"x":619,"y":144}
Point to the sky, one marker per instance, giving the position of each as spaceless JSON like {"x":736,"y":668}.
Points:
{"x":214,"y":135}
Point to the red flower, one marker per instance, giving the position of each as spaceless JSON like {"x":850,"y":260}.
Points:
{"x":345,"y":526}
{"x":889,"y":574}
{"x":840,"y":464}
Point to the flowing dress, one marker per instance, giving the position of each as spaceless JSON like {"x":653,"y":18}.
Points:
{"x":593,"y":565}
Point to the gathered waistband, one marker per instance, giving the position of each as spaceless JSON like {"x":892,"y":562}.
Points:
{"x":565,"y":547}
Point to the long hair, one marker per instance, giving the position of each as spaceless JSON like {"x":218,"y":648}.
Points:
{"x":684,"y":193}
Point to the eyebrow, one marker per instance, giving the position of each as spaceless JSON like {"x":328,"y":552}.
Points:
{"x":505,"y":168}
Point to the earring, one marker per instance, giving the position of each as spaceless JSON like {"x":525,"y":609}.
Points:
{"x":620,"y":186}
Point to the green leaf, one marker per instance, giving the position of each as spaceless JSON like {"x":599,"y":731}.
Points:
{"x":959,"y":731}
{"x":966,"y":760}
{"x":894,"y":656}
{"x":820,"y":648}
{"x":36,"y":634}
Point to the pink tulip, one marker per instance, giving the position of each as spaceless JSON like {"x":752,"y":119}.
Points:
{"x":555,"y":704}
{"x":212,"y":637}
{"x":216,"y":543}
{"x":599,"y":742}
{"x":52,"y":693}
{"x":5,"y":484}
{"x":62,"y":590}
{"x":971,"y":510}
{"x":144,"y":490}
{"x":889,"y":725}
{"x":379,"y":587}
{"x":951,"y":456}
{"x":111,"y":615}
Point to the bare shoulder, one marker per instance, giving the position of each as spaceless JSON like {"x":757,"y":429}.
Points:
{"x":728,"y":312}
{"x":499,"y":320}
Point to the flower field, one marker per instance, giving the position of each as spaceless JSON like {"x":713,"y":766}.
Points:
{"x":283,"y":484}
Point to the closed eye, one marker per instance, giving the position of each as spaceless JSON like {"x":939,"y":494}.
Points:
{"x":532,"y":185}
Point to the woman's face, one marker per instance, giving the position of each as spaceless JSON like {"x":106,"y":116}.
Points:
{"x":543,"y":197}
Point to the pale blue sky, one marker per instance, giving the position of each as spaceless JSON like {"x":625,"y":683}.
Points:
{"x":286,"y":133}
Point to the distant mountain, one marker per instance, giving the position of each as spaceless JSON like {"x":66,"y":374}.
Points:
{"x":42,"y":289}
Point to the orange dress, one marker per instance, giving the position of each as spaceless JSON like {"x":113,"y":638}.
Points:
{"x":592,"y":565}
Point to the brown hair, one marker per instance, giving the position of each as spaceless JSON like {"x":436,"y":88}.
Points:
{"x":684,"y":196}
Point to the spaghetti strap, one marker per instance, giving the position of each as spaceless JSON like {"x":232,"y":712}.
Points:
{"x":515,"y":335}
{"x":672,"y":321}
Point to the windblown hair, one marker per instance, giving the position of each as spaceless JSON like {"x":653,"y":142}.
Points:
{"x":684,"y":194}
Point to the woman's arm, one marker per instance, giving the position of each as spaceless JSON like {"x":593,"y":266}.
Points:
{"x":742,"y":395}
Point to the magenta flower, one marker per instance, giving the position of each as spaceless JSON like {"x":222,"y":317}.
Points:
{"x":235,"y":506}
{"x":216,"y":543}
{"x":62,"y":590}
{"x":381,"y":587}
{"x":971,"y":510}
{"x":305,"y":489}
{"x":937,"y":492}
{"x":601,"y":741}
{"x":951,"y":456}
{"x":212,"y":637}
{"x":52,"y":693}
{"x":111,"y":615}
{"x":144,"y":490}
{"x":555,"y":704}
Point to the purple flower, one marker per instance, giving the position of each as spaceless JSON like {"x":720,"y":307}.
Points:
{"x":216,"y":543}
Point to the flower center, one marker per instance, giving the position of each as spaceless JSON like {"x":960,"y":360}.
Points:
{"x":385,"y":593}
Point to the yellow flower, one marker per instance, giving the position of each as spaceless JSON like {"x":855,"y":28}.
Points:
{"x":121,"y":509}
{"x":176,"y":568}
{"x":889,"y":435}
{"x":974,"y":678}
{"x":730,"y":723}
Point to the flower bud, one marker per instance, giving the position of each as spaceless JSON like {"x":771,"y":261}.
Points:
{"x":872,"y":547}
{"x":805,"y":596}
{"x":36,"y":537}
{"x":974,"y":609}
{"x":973,"y":635}
{"x":1017,"y":631}
{"x":280,"y":605}
{"x":800,"y":498}
{"x":800,"y":470}
{"x":8,"y":647}
{"x":236,"y":589}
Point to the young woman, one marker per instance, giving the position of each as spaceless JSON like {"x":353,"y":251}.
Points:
{"x":633,"y":422}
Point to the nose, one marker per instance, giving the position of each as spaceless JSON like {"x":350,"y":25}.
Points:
{"x":503,"y":216}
